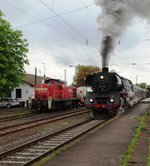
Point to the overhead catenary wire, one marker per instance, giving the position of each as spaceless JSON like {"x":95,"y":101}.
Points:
{"x":63,"y":20}
{"x":51,"y":17}
{"x":47,"y":53}
{"x":41,"y":19}
{"x":86,"y":7}
{"x":56,"y":15}
{"x":68,"y":24}
{"x":37,"y":20}
{"x":44,"y":19}
{"x":23,"y":11}
{"x":63,"y":59}
{"x":50,"y":53}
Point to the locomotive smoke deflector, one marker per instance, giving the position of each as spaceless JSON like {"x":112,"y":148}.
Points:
{"x":89,"y":80}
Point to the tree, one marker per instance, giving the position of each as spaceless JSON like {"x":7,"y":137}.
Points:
{"x":13,"y":49}
{"x":142,"y":85}
{"x":81,"y":73}
{"x":148,"y":86}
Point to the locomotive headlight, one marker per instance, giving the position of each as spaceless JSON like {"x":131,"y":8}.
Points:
{"x":91,"y":100}
{"x":111,"y":100}
{"x":101,"y":77}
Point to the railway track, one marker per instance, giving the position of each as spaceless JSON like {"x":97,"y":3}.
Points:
{"x":7,"y":119}
{"x":29,"y":153}
{"x":22,"y":116}
{"x":35,"y":123}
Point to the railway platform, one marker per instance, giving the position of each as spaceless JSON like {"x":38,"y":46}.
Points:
{"x":147,"y":100}
{"x":106,"y":146}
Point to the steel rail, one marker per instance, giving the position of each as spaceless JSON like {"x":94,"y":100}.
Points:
{"x":33,"y":151}
{"x":35,"y":123}
{"x":5,"y":119}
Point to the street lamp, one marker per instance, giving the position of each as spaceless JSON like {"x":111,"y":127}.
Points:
{"x":72,"y":66}
{"x":72,"y":75}
{"x":136,"y":79}
{"x":133,"y":64}
{"x":65,"y":75}
{"x":44,"y":68}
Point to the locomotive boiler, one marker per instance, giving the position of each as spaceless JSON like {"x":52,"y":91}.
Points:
{"x":110,"y":93}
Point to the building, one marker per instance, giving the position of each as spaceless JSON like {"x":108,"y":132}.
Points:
{"x":26,"y":90}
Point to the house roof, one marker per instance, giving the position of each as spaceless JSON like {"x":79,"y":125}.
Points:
{"x":30,"y":79}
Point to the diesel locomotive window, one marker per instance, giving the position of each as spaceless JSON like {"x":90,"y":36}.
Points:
{"x":49,"y":82}
{"x":57,"y":83}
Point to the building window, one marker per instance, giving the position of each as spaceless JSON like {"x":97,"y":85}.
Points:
{"x":18,"y":93}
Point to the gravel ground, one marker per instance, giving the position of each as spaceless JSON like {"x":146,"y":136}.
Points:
{"x":18,"y":138}
{"x":22,"y":120}
{"x":106,"y":146}
{"x":4,"y":112}
{"x":28,"y":119}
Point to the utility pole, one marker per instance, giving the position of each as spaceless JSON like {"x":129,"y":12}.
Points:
{"x":65,"y":75}
{"x":44,"y":68}
{"x":136,"y":79}
{"x":35,"y":75}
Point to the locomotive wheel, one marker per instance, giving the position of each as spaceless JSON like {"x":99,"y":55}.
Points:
{"x":39,"y":108}
{"x":113,"y":113}
{"x":96,"y":115}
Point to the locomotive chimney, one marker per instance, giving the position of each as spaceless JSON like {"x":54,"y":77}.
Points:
{"x":105,"y":69}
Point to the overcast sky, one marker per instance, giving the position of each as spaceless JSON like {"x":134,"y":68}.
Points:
{"x":61,"y":33}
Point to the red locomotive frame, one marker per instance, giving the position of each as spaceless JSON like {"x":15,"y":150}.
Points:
{"x":53,"y":94}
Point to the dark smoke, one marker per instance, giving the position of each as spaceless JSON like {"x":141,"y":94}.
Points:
{"x":107,"y":46}
{"x":115,"y":16}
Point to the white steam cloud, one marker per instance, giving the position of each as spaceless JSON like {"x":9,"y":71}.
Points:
{"x":115,"y":16}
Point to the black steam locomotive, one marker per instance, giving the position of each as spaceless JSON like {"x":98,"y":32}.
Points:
{"x":110,"y":93}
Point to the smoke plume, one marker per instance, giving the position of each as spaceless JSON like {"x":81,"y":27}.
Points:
{"x":106,"y":47}
{"x":115,"y":16}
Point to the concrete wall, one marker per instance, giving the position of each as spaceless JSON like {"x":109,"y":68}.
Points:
{"x":26,"y":92}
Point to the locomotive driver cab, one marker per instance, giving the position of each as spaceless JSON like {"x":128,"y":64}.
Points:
{"x":55,"y":82}
{"x":59,"y":84}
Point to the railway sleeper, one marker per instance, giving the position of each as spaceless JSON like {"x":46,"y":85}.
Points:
{"x":52,"y":144}
{"x":62,"y":138}
{"x":41,"y":147}
{"x":34,"y":150}
{"x":45,"y":144}
{"x":20,"y":157}
{"x":12,"y":162}
{"x":28,"y":154}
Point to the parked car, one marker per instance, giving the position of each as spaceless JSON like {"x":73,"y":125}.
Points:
{"x":8,"y":103}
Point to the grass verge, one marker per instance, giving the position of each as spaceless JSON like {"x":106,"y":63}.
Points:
{"x":141,"y":126}
{"x":148,"y":157}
